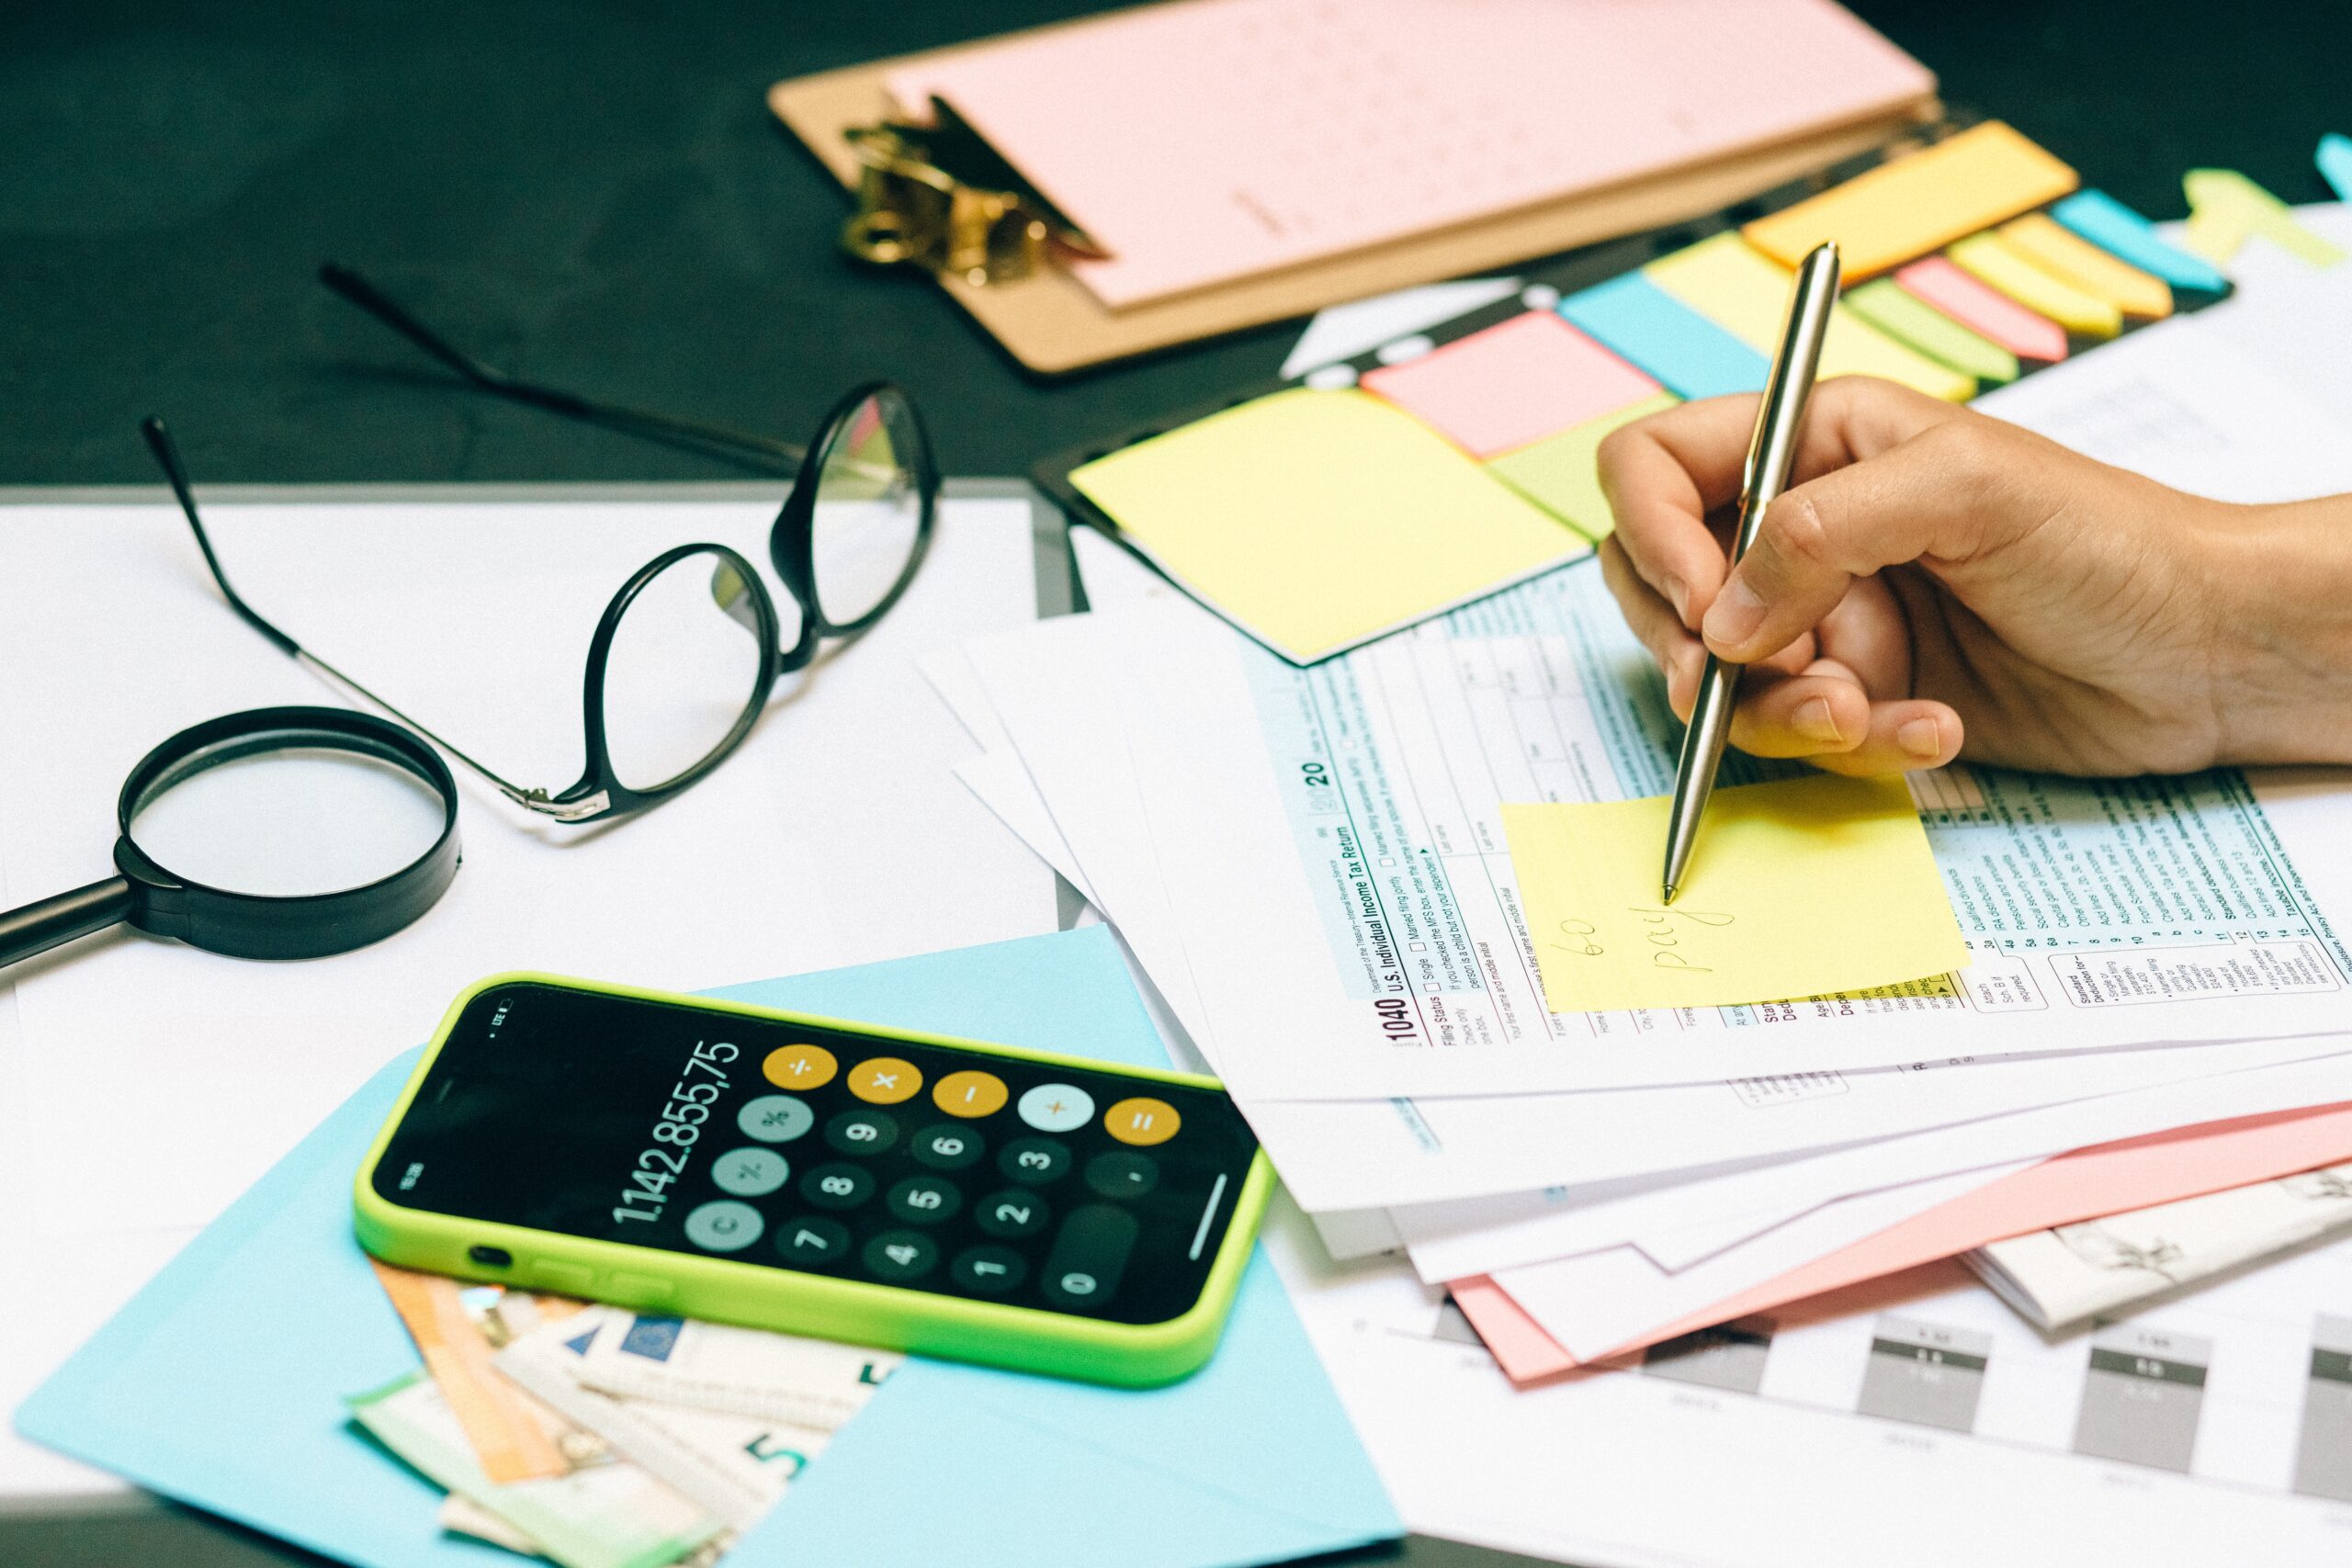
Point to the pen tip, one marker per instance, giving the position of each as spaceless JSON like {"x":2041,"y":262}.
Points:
{"x":1668,"y":893}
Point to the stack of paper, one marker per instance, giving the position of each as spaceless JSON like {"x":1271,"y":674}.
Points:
{"x":1390,"y":899}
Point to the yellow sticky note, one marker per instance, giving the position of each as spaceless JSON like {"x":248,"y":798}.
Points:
{"x":1800,"y":888}
{"x":2225,"y":209}
{"x":1747,"y":293}
{"x":1994,"y":261}
{"x":1316,"y":521}
{"x":1562,"y":473}
{"x":1911,"y":205}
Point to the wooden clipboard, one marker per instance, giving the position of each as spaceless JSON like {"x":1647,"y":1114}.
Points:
{"x":1051,"y":324}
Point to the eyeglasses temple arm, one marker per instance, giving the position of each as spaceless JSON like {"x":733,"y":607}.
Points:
{"x":167,"y":456}
{"x":347,"y":282}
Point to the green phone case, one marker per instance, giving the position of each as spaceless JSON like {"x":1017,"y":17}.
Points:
{"x":859,"y":1312}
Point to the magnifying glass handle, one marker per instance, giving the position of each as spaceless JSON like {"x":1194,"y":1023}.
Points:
{"x":37,"y":928}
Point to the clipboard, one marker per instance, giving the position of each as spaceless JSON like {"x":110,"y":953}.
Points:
{"x":1051,"y":324}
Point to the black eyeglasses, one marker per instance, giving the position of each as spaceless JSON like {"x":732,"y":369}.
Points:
{"x":687,"y":651}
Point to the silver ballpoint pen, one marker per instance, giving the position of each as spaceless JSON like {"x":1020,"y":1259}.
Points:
{"x":1779,"y":419}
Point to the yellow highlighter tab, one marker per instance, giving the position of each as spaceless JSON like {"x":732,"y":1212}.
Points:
{"x":2063,"y":254}
{"x":1747,"y":293}
{"x":1316,"y":521}
{"x":2226,"y":210}
{"x":1800,"y":888}
{"x":1994,"y":261}
{"x":1904,"y":209}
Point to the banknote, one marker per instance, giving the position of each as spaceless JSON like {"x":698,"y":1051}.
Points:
{"x":744,"y":1371}
{"x":460,"y":1515}
{"x":456,"y":1327}
{"x":2102,"y":1267}
{"x":734,"y":1466}
{"x":612,"y":1515}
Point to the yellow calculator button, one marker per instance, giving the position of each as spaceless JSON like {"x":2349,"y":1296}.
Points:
{"x":970,"y":1094}
{"x":885,"y":1080}
{"x":799,"y":1067}
{"x":1142,"y":1122}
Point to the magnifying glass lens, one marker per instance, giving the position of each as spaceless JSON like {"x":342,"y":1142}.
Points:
{"x":288,"y":821}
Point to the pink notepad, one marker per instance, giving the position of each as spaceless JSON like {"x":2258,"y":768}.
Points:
{"x":1204,"y":140}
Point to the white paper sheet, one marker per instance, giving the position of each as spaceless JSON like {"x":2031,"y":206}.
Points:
{"x":836,"y":835}
{"x":1343,"y":1153}
{"x":1829,"y":1446}
{"x":1451,"y":1241}
{"x":1600,"y":1301}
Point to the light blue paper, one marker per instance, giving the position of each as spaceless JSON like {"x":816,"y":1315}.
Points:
{"x":1682,"y":350}
{"x":221,"y":1382}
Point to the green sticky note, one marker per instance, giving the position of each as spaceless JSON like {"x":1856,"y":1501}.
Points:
{"x":1892,"y":309}
{"x":1316,"y":521}
{"x":1561,"y":473}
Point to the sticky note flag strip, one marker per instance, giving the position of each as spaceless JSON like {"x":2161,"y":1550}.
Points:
{"x":2226,"y":210}
{"x":2115,"y":228}
{"x":2336,"y":163}
{"x":1800,"y":888}
{"x":1727,"y":278}
{"x":1315,"y":521}
{"x":1905,"y":207}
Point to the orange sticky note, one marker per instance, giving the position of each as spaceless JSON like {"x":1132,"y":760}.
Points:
{"x":1903,"y":209}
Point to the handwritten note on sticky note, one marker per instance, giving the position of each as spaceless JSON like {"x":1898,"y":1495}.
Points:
{"x":1798,"y":889}
{"x":1315,"y":521}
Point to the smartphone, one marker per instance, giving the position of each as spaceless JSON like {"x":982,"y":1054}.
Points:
{"x":909,"y":1191}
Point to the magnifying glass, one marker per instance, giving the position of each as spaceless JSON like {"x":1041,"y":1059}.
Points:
{"x":286,"y":833}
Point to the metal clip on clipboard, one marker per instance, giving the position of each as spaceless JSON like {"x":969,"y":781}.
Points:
{"x":940,"y":198}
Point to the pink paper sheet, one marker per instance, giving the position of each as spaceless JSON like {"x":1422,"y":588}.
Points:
{"x":1514,"y":383}
{"x":1210,"y":139}
{"x":2106,"y":1178}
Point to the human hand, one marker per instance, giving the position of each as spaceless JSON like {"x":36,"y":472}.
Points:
{"x":1937,"y":582}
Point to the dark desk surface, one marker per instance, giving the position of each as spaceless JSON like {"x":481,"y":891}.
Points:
{"x":595,"y":195}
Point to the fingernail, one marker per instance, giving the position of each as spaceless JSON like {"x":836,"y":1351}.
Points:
{"x":1920,"y":738}
{"x":1678,"y":593}
{"x":1682,"y":675}
{"x":1734,"y":615}
{"x":1815,"y":722}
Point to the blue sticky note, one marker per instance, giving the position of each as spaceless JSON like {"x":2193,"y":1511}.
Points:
{"x":1682,"y":350}
{"x":221,"y":1383}
{"x":2112,"y":226}
{"x":2336,"y":163}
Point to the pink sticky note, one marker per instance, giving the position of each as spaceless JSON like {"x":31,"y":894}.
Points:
{"x":2106,"y":1178}
{"x":1983,"y":309}
{"x":1531,"y":376}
